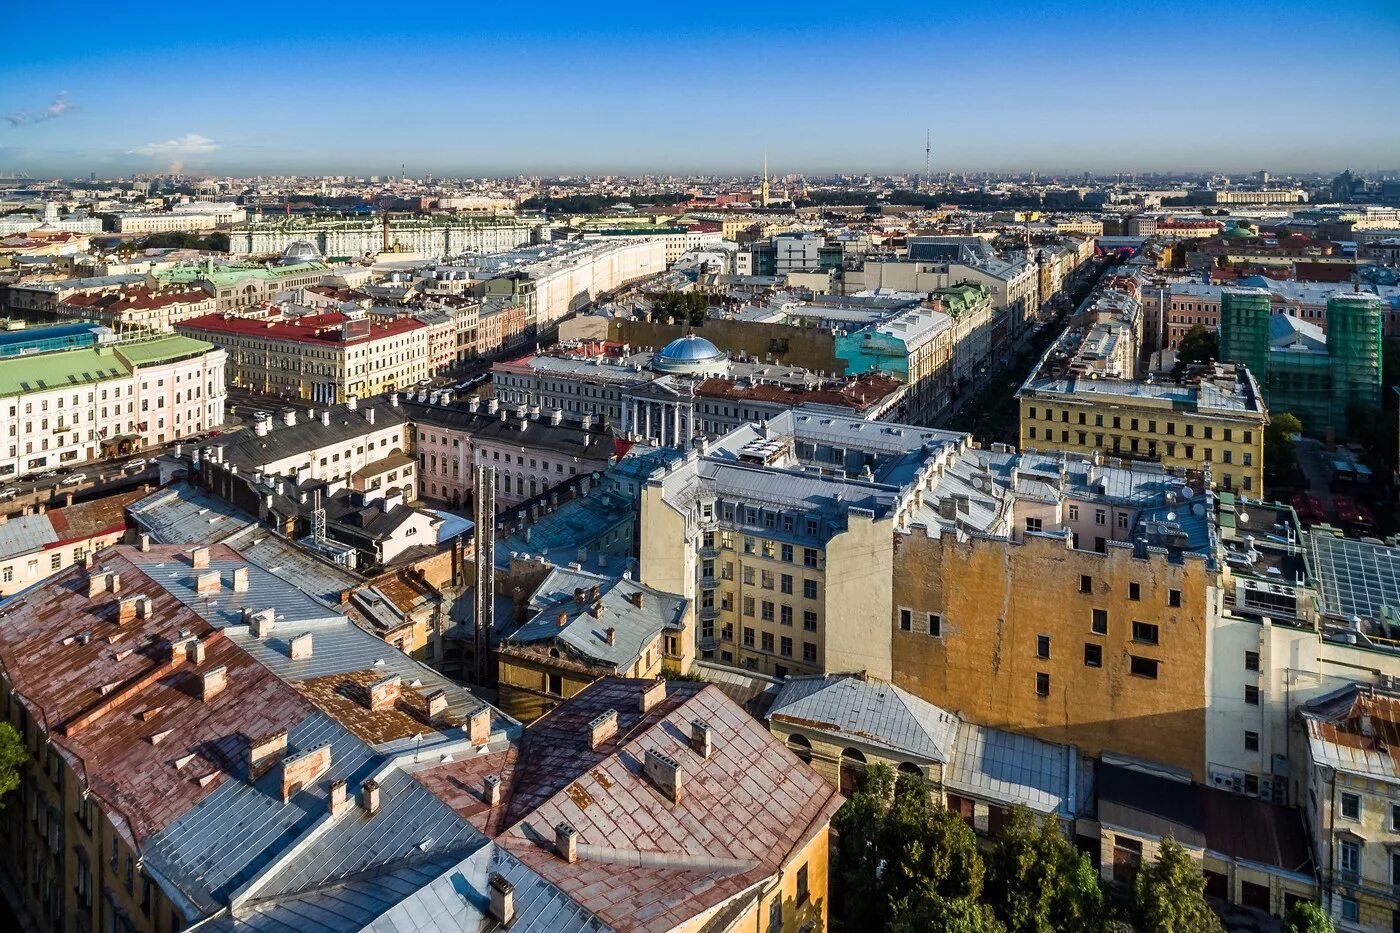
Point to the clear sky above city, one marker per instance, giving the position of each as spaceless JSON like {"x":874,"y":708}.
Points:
{"x":473,"y":88}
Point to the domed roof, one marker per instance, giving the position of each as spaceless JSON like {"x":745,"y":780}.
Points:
{"x":300,"y":251}
{"x":1240,"y":232}
{"x":689,"y":354}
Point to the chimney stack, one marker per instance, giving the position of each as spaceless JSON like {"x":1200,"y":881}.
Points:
{"x":479,"y":725}
{"x":126,"y":610}
{"x":240,"y":580}
{"x":664,"y":772}
{"x":436,"y":703}
{"x":596,"y":610}
{"x":701,"y":741}
{"x":492,"y":791}
{"x":143,"y":607}
{"x":261,"y":623}
{"x":263,"y":753}
{"x":601,"y":728}
{"x":299,"y":771}
{"x":639,"y":599}
{"x":339,"y":800}
{"x":144,"y":542}
{"x":563,"y":618}
{"x":199,"y":558}
{"x":610,"y":635}
{"x":369,"y":797}
{"x":207,"y":584}
{"x":212,"y":682}
{"x":652,"y":694}
{"x":502,"y":907}
{"x":566,"y":842}
{"x":299,"y":649}
{"x":385,"y":692}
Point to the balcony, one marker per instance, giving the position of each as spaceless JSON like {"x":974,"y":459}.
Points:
{"x":709,"y":613}
{"x":711,"y":551}
{"x":707,"y":642}
{"x":708,"y":582}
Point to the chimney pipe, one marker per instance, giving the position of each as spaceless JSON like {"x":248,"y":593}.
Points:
{"x":492,"y":790}
{"x":701,"y":740}
{"x":601,"y":728}
{"x":652,"y":694}
{"x":339,"y":800}
{"x":369,"y":797}
{"x":502,"y":907}
{"x":566,"y":842}
{"x":479,"y":725}
{"x":212,"y":682}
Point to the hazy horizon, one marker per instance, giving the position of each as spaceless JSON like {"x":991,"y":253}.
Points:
{"x":1291,"y":87}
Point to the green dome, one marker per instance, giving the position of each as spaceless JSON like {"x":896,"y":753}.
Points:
{"x":1241,"y":232}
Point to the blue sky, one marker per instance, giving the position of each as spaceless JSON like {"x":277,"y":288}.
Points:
{"x":472,"y":88}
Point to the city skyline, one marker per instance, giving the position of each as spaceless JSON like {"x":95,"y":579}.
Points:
{"x":631,"y":90}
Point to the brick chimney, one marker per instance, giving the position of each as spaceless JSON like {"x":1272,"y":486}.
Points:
{"x":126,"y":610}
{"x":701,"y":740}
{"x":639,"y":599}
{"x":566,"y":842}
{"x":502,"y":909}
{"x":144,"y":607}
{"x":207,"y":584}
{"x":99,"y":582}
{"x":602,"y":727}
{"x":562,"y":619}
{"x":240,"y":580}
{"x":199,"y":558}
{"x":579,"y":595}
{"x":261,"y":754}
{"x":385,"y":692}
{"x":299,"y":649}
{"x":596,"y":610}
{"x":338,"y":799}
{"x":436,"y":704}
{"x":664,"y":772}
{"x":595,"y":592}
{"x":369,"y":797}
{"x":261,"y":623}
{"x":479,"y":725}
{"x":302,"y":769}
{"x":652,"y":694}
{"x":610,"y":635}
{"x":491,"y":790}
{"x":212,"y":682}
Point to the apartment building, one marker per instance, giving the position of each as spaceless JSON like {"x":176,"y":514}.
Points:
{"x":66,"y":407}
{"x":582,"y":627}
{"x":782,"y":533}
{"x":1060,"y":598}
{"x":323,"y":358}
{"x":238,"y":287}
{"x":42,"y":298}
{"x":1083,"y":397}
{"x":1352,"y":804}
{"x":40,"y":543}
{"x":140,"y":307}
{"x":434,"y":236}
{"x":530,"y":451}
{"x":169,"y":712}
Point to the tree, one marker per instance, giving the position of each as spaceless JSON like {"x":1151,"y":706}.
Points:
{"x":1169,"y":894}
{"x":1200,"y":345}
{"x":13,"y":755}
{"x":902,"y":858}
{"x":1037,"y":882}
{"x":948,"y":915}
{"x":680,"y":308}
{"x":1307,"y":917}
{"x":1280,"y":450}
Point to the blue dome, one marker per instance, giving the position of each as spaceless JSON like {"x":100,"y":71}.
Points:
{"x":690,"y":354}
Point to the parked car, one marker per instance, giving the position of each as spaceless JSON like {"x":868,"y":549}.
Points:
{"x":138,"y":464}
{"x":74,"y":479}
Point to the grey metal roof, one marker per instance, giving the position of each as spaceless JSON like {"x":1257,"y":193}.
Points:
{"x":185,"y":514}
{"x":24,"y":534}
{"x":634,"y":627}
{"x":265,"y":591}
{"x":457,"y":901}
{"x":280,"y":557}
{"x":249,"y":451}
{"x":1011,"y":769}
{"x":873,"y":712}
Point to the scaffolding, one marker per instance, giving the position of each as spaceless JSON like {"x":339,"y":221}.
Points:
{"x":1354,"y":344}
{"x":1244,"y":329}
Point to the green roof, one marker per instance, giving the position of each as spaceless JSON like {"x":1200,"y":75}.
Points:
{"x":221,"y":275}
{"x":38,"y":372}
{"x":163,"y":349}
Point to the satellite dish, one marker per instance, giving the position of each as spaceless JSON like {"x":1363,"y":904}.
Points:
{"x":1187,"y":492}
{"x":1244,"y":517}
{"x":1171,"y":516}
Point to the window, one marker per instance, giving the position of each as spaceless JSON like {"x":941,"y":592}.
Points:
{"x":767,"y":642}
{"x":748,"y":605}
{"x":1135,"y":591}
{"x":1251,"y":741}
{"x":1093,"y":654}
{"x":1042,"y":684}
{"x":1395,"y":817}
{"x":935,"y":625}
{"x":1033,"y":524}
{"x":1174,"y":598}
{"x":785,"y":646}
{"x":906,"y":620}
{"x":1349,"y":857}
{"x":767,"y":611}
{"x":748,"y":637}
{"x":1145,"y":633}
{"x":1074,"y":509}
{"x":1086,"y":583}
{"x":809,"y":653}
{"x":809,"y":589}
{"x":1351,"y":806}
{"x":1143,"y":667}
{"x":785,"y":583}
{"x":1251,"y":694}
{"x":1100,"y":516}
{"x":785,"y":615}
{"x":775,"y":915}
{"x":556,"y":685}
{"x":1351,"y":910}
{"x":809,"y":620}
{"x":1099,"y":625}
{"x":1251,"y":660}
{"x":786,"y":552}
{"x":1042,"y":646}
{"x":809,"y":557}
{"x":802,"y":892}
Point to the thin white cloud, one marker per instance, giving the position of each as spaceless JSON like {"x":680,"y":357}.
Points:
{"x":61,"y":104}
{"x":181,"y":147}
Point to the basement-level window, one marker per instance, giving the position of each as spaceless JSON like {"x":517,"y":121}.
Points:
{"x":1144,"y":667}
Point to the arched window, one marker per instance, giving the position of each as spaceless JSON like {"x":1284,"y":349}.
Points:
{"x":852,"y":767}
{"x":800,"y":747}
{"x":908,"y":767}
